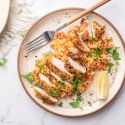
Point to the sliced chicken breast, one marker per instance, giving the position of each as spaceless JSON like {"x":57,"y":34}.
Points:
{"x":40,"y":93}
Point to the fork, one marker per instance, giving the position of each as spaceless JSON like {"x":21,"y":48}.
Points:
{"x":47,"y":36}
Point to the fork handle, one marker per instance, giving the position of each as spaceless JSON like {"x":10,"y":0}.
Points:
{"x":93,"y":7}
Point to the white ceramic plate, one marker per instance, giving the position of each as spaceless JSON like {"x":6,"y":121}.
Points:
{"x":4,"y":12}
{"x":50,"y":22}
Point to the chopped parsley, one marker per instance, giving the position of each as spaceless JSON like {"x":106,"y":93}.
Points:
{"x":96,"y":53}
{"x":89,"y":103}
{"x":40,"y":66}
{"x":94,"y":38}
{"x":114,"y":53}
{"x":3,"y":62}
{"x":28,"y":76}
{"x":115,"y":56}
{"x":47,"y":53}
{"x":36,"y":83}
{"x":75,"y":91}
{"x":76,"y":103}
{"x":79,"y":97}
{"x":75,"y":84}
{"x":109,"y":50}
{"x":110,"y":66}
{"x":54,"y":93}
{"x":60,"y":104}
{"x":60,"y":82}
{"x":22,"y":33}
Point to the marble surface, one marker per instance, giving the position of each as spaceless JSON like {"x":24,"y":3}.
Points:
{"x":16,"y":108}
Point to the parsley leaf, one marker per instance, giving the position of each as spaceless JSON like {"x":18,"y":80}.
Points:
{"x":37,"y":84}
{"x":94,"y":38}
{"x":114,"y":52}
{"x":28,"y":76}
{"x":110,"y":65}
{"x":55,"y":93}
{"x":22,"y":33}
{"x":60,"y":104}
{"x":76,"y":83}
{"x":3,"y":62}
{"x":96,"y":53}
{"x":75,"y":91}
{"x":60,"y":82}
{"x":79,"y":97}
{"x":109,"y":50}
{"x":89,"y":103}
{"x":76,"y":103}
{"x":47,"y":53}
{"x":40,"y":66}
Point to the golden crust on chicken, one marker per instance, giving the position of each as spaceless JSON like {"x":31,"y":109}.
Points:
{"x":81,"y":52}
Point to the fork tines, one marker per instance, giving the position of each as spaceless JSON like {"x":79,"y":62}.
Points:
{"x":35,"y":44}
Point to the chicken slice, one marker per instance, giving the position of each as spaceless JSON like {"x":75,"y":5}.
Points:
{"x":76,"y":66}
{"x":66,"y":89}
{"x":40,"y":93}
{"x":86,"y":81}
{"x":85,"y":30}
{"x":45,"y":84}
{"x":62,"y":74}
{"x":97,"y":29}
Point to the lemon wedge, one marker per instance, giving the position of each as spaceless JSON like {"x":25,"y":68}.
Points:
{"x":102,"y":85}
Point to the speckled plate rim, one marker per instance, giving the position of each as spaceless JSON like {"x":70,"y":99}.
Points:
{"x":19,"y":56}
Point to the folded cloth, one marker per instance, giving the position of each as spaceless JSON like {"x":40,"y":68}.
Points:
{"x":20,"y":18}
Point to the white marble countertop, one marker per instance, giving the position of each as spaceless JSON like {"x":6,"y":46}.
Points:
{"x":16,"y":108}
